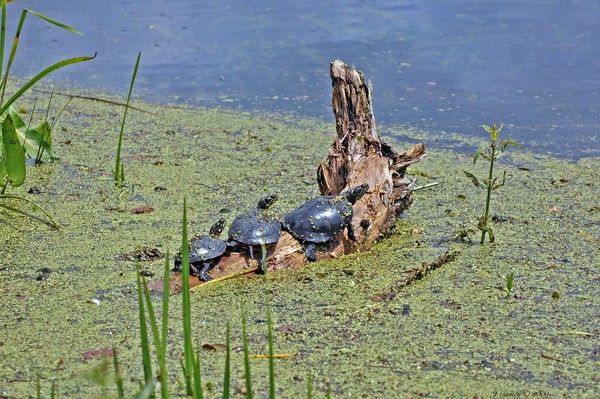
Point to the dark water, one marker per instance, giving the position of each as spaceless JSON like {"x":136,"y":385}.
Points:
{"x":437,"y":65}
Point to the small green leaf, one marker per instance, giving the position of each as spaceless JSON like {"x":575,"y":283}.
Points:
{"x":473,"y":178}
{"x":12,"y":164}
{"x":508,"y":142}
{"x":496,"y":186}
{"x":486,"y":157}
{"x":509,"y":282}
{"x":487,"y":128}
{"x":481,"y":148}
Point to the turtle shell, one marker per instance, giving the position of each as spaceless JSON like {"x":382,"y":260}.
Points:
{"x":206,"y":247}
{"x":255,"y":227}
{"x":319,"y":220}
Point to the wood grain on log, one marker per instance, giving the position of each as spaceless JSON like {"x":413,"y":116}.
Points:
{"x":357,"y":156}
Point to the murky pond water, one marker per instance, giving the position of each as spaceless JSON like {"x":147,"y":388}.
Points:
{"x":435,"y":65}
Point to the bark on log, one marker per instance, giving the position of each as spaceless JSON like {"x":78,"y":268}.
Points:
{"x":357,"y":156}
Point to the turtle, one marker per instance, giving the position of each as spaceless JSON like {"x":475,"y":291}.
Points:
{"x":256,"y":228}
{"x":321,"y":219}
{"x":204,"y":252}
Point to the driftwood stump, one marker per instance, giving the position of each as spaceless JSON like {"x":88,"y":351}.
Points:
{"x":357,"y":156}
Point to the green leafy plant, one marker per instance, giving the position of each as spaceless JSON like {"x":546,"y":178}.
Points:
{"x":17,"y":137}
{"x":119,"y":168}
{"x":509,"y":283}
{"x":490,"y":152}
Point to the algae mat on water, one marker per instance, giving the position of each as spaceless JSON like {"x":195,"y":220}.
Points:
{"x":68,"y":295}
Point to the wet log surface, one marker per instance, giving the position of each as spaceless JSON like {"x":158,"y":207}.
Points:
{"x":357,"y":156}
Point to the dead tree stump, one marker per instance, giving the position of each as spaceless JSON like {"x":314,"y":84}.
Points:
{"x":357,"y":156}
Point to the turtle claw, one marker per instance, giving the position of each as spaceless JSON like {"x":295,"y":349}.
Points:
{"x":203,"y":272}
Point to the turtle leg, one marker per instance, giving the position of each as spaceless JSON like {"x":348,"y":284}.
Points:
{"x":263,"y":260}
{"x":203,"y":272}
{"x":194,"y":271}
{"x":351,"y":232}
{"x":251,"y":251}
{"x":310,"y":249}
{"x":176,"y":266}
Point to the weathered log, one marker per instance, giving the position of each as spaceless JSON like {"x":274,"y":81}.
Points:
{"x":357,"y":156}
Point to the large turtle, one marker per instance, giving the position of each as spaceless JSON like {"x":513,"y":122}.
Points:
{"x":256,"y":228}
{"x":204,"y":252}
{"x":321,"y":219}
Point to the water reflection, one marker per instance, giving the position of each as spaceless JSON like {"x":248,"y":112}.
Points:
{"x":436,"y":65}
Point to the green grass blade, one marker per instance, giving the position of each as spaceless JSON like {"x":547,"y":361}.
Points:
{"x":13,"y":50}
{"x":271,"y":358}
{"x":247,"y":375}
{"x":309,"y":386}
{"x":227,"y":372}
{"x":165,"y":304}
{"x":59,"y":24}
{"x":188,"y":351}
{"x":146,"y":360}
{"x":160,"y":354}
{"x":2,"y":43}
{"x":118,"y":375}
{"x":53,"y":391}
{"x":54,"y":224}
{"x":198,"y":391}
{"x":119,"y":170}
{"x":40,"y":76}
{"x":38,"y":388}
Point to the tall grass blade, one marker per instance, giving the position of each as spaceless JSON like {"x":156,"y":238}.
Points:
{"x":119,"y":170}
{"x":271,"y":358}
{"x":53,"y":391}
{"x":146,"y":360}
{"x":309,"y":386}
{"x":54,"y":224}
{"x":227,"y":372}
{"x":160,"y":354}
{"x":165,"y":304}
{"x":118,"y":375}
{"x":247,"y":375}
{"x":198,"y":391}
{"x":13,"y":50}
{"x":40,"y":76}
{"x":188,"y":350}
{"x":2,"y":37}
{"x":38,"y":388}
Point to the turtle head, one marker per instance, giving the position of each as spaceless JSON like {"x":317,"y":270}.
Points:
{"x":266,"y":202}
{"x":217,"y":228}
{"x":356,"y":193}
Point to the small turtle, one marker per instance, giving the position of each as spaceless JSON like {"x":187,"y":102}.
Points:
{"x":255,"y":228}
{"x":320,"y":220}
{"x":204,"y":252}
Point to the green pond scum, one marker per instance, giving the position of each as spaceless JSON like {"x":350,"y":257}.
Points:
{"x":69,"y":295}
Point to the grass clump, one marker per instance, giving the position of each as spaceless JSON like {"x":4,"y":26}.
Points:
{"x":18,"y":138}
{"x":490,"y":152}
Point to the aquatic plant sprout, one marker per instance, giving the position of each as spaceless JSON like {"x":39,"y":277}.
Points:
{"x":490,"y":152}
